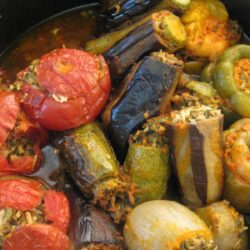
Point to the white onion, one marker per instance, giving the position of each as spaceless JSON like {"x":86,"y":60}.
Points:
{"x":164,"y":225}
{"x":227,"y":225}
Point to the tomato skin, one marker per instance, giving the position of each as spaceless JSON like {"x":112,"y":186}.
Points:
{"x":20,"y":194}
{"x":37,"y":237}
{"x":56,"y":209}
{"x":82,"y":81}
{"x":9,"y":111}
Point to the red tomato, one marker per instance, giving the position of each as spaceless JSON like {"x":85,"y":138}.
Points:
{"x":20,"y":194}
{"x":73,"y":88}
{"x":37,"y":237}
{"x":19,"y":137}
{"x":56,"y":209}
{"x":8,"y":114}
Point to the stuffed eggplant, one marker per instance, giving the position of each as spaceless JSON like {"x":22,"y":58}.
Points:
{"x":164,"y":30}
{"x":92,"y":164}
{"x":195,"y":139}
{"x":90,"y":228}
{"x":226,"y":224}
{"x":166,"y":225}
{"x":147,"y":161}
{"x":236,"y":164}
{"x":144,"y":93}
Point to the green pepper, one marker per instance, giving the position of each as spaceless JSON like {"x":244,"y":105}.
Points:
{"x":147,"y":161}
{"x":206,"y":74}
{"x":92,"y":164}
{"x":225,"y":81}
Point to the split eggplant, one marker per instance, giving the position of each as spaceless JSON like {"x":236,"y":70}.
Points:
{"x":90,"y":228}
{"x":144,"y":93}
{"x":195,"y":140}
{"x":164,"y":30}
{"x":147,"y":161}
{"x":116,"y":12}
{"x":93,"y":166}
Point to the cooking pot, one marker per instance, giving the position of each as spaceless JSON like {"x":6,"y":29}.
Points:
{"x":16,"y":16}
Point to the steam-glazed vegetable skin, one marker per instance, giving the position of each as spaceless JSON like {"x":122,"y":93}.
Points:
{"x":226,"y":224}
{"x":165,"y":30}
{"x":195,"y":135}
{"x":209,"y":31}
{"x":93,"y":166}
{"x":236,"y":161}
{"x":145,"y":92}
{"x":90,"y":227}
{"x":166,"y":225}
{"x":147,"y":161}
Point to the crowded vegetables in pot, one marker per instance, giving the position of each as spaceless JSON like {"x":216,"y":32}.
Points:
{"x":65,"y":88}
{"x":135,"y":120}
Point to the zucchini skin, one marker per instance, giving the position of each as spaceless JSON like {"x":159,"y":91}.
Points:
{"x":90,"y":156}
{"x":92,"y":164}
{"x":196,"y":154}
{"x":149,"y":170}
{"x":144,"y":93}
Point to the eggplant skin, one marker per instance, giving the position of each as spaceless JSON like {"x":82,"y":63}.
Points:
{"x":90,"y":227}
{"x":196,"y":154}
{"x":116,"y":12}
{"x":142,"y":94}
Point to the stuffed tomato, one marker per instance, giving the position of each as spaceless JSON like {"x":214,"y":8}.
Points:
{"x":25,"y":202}
{"x":65,"y":88}
{"x":20,"y":138}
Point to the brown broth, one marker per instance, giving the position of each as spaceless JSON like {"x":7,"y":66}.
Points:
{"x":68,"y":30}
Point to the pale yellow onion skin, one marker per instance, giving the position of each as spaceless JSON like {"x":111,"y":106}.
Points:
{"x":237,"y":192}
{"x":237,"y":175}
{"x":226,"y":224}
{"x":162,"y":225}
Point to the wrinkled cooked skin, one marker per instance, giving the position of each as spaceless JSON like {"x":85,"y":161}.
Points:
{"x":65,"y":89}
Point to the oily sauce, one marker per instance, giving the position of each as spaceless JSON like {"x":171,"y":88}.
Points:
{"x":68,"y":30}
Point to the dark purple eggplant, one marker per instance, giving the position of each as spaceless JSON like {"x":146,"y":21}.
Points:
{"x":117,"y":12}
{"x":144,"y":93}
{"x":90,"y":227}
{"x":150,"y":36}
